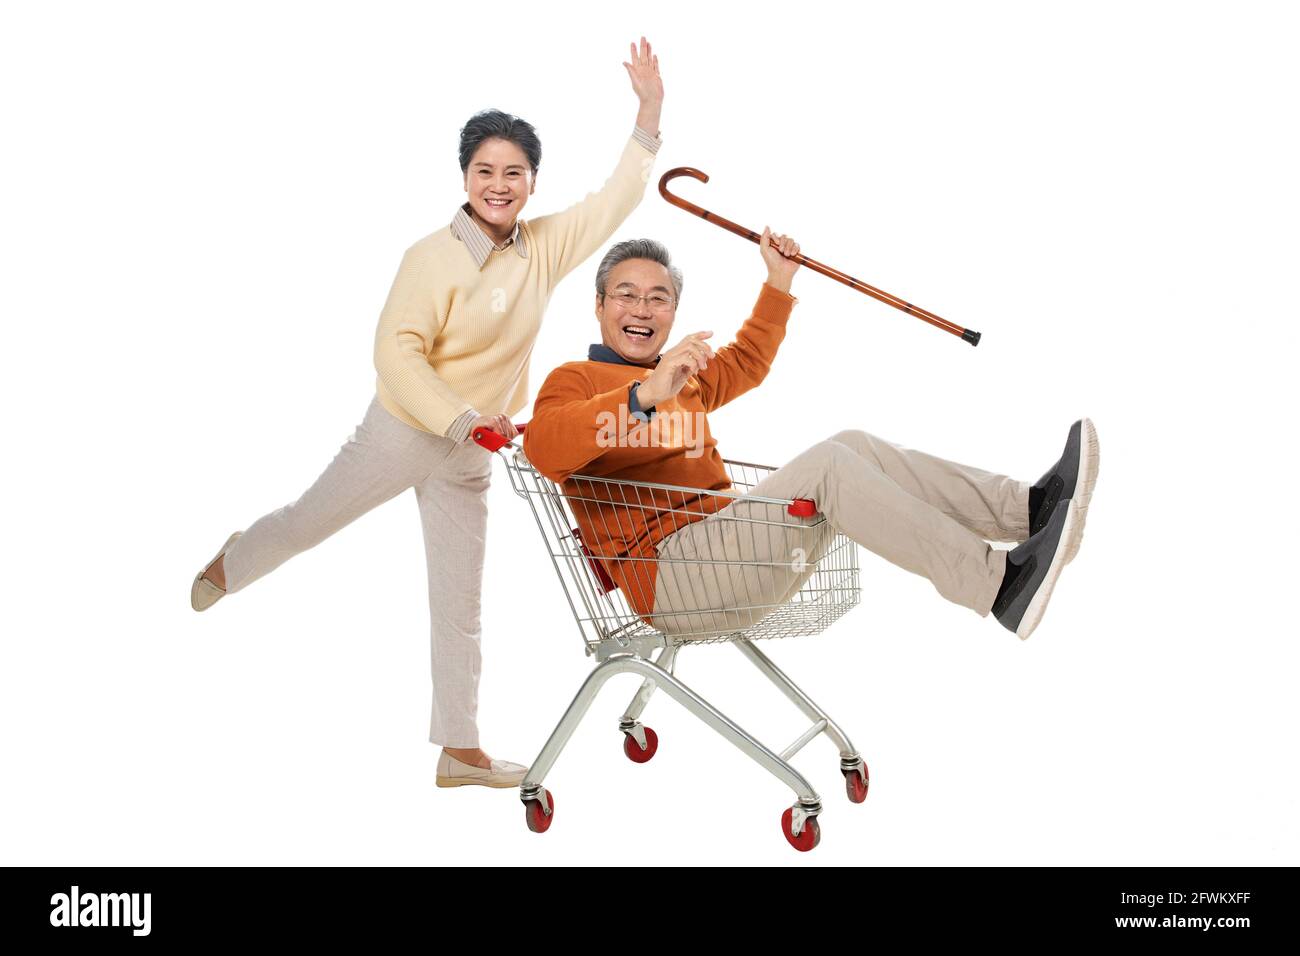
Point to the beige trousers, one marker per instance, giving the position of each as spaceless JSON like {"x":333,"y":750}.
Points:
{"x":379,"y":461}
{"x":922,"y":513}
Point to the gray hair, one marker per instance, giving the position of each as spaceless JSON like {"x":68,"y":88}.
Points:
{"x":638,"y":249}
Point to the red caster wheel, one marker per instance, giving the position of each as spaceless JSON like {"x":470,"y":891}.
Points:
{"x":633,"y":749}
{"x":855,"y":784}
{"x":806,"y":840}
{"x":539,"y":821}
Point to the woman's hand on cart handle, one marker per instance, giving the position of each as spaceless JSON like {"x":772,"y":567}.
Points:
{"x":688,"y":357}
{"x":500,"y":424}
{"x":494,"y":431}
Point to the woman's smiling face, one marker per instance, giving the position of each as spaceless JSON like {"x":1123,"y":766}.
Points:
{"x":499,"y":182}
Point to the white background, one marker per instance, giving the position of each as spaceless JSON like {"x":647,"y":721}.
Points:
{"x":204,"y":206}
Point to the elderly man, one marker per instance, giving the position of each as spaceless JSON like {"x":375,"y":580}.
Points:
{"x":632,"y":413}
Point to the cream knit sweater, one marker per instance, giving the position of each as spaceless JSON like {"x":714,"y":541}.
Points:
{"x":453,"y":338}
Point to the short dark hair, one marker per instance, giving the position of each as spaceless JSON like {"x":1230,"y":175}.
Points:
{"x":494,"y":124}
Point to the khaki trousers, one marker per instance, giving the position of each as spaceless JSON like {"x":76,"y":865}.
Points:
{"x":379,"y":461}
{"x":922,"y":513}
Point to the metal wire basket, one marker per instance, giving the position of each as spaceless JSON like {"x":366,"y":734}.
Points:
{"x":806,"y":578}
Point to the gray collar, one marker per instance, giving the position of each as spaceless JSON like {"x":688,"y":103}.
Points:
{"x":600,"y":352}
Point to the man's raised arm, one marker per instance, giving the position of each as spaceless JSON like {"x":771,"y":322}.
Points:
{"x":738,"y":367}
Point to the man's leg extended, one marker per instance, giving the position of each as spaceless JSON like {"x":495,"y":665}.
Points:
{"x":861,"y":499}
{"x":993,"y":506}
{"x":729,"y":571}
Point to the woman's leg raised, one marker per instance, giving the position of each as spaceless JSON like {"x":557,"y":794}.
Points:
{"x":381,"y":459}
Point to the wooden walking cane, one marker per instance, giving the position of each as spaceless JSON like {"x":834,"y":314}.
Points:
{"x":967,"y":335}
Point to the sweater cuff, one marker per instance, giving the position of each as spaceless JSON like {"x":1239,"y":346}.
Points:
{"x":458,"y":430}
{"x":634,"y":405}
{"x":772,"y":291}
{"x":651,"y":143}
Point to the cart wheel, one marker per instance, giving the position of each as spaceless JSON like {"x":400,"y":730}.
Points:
{"x":805,"y":841}
{"x":855,"y":784}
{"x":633,"y":749}
{"x":537,"y":818}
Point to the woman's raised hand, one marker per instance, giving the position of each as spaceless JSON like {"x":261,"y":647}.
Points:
{"x":649,"y":88}
{"x":644,"y":71}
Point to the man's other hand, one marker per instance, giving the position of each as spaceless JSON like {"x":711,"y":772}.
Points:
{"x":676,"y":366}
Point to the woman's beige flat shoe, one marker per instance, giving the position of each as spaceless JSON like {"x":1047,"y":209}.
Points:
{"x":203,"y":593}
{"x":502,"y":773}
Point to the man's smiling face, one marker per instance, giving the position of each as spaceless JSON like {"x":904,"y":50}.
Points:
{"x":636,"y":312}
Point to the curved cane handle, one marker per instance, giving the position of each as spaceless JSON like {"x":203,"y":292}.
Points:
{"x":704,"y":214}
{"x":966,"y":335}
{"x":678,"y":200}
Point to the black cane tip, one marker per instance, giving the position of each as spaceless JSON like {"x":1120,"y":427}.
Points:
{"x":971,"y":336}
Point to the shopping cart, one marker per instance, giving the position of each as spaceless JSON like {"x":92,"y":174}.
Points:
{"x":586,"y":526}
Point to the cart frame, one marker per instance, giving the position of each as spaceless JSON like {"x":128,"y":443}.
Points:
{"x":624,"y":641}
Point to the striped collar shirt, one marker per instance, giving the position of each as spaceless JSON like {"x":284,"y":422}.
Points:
{"x":479,"y":244}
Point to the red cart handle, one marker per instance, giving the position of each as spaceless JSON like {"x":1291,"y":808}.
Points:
{"x":491,"y":440}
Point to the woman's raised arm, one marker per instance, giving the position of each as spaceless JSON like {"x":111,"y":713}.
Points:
{"x":567,"y":238}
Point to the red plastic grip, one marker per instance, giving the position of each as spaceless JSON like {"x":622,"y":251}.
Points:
{"x":490,"y":440}
{"x":802,"y":508}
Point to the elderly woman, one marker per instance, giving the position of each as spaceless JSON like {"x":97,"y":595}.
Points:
{"x":452,"y":351}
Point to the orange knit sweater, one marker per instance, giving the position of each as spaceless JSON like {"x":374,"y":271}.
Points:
{"x":581,"y":426}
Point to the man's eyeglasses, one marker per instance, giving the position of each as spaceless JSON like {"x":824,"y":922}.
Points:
{"x":657,"y":301}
